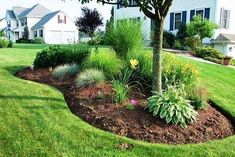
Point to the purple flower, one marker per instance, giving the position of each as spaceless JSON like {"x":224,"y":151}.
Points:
{"x":134,"y":102}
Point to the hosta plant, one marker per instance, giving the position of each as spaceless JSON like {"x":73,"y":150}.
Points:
{"x":172,"y":106}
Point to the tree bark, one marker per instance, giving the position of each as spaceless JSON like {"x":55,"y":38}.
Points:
{"x":157,"y":56}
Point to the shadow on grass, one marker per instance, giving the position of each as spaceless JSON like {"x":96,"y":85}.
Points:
{"x":14,"y":69}
{"x":18,"y":97}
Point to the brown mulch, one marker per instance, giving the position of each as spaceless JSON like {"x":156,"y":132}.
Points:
{"x":138,"y":123}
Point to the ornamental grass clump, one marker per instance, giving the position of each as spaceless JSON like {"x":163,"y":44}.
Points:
{"x":108,"y":62}
{"x":89,"y":77}
{"x":126,"y":36}
{"x":65,"y":70}
{"x":172,"y":106}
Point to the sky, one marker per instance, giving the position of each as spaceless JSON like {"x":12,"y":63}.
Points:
{"x":71,"y":7}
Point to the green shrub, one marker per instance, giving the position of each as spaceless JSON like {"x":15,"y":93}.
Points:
{"x":90,"y":77}
{"x":193,"y":42}
{"x":66,"y":70}
{"x":177,"y":73}
{"x":38,"y":40}
{"x":56,"y":55}
{"x":125,"y":36}
{"x":10,"y":44}
{"x":177,"y":44}
{"x":172,"y":106}
{"x":22,"y":40}
{"x":204,"y":52}
{"x":4,"y":42}
{"x":215,"y":60}
{"x":198,"y":97}
{"x":108,"y":62}
{"x":121,"y":91}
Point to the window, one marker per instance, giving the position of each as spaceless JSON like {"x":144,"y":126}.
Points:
{"x":25,"y":21}
{"x":22,"y":22}
{"x":36,"y":34}
{"x":62,"y":19}
{"x":224,"y":18}
{"x":41,"y":33}
{"x":200,"y":13}
{"x":178,"y":20}
{"x":17,"y":23}
{"x":9,"y":23}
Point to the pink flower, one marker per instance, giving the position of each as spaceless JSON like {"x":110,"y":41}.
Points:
{"x":134,"y":102}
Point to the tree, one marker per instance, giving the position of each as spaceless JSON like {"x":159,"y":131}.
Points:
{"x":157,"y":11}
{"x":200,"y":27}
{"x":89,"y":21}
{"x":26,"y":33}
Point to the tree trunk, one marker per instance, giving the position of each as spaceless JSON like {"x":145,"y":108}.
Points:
{"x":157,"y":56}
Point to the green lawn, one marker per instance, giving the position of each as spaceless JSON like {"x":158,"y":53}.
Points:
{"x":35,"y":120}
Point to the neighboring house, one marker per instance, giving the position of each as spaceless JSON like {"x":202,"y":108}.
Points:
{"x":53,"y":27}
{"x":217,"y":11}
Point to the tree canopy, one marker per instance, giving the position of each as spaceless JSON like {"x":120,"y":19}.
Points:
{"x":89,"y":21}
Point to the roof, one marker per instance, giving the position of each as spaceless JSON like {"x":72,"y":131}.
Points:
{"x":44,"y":20}
{"x":2,"y":19}
{"x":228,"y":38}
{"x":36,"y":11}
{"x":18,"y":10}
{"x":11,"y":14}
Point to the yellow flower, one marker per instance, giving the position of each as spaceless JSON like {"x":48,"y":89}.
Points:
{"x":134,"y":63}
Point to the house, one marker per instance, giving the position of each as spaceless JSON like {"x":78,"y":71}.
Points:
{"x":54,"y":27}
{"x":217,"y":11}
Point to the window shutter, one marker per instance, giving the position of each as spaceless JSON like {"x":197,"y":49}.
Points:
{"x":118,"y":5}
{"x":207,"y":13}
{"x":172,"y":21}
{"x":184,"y":17}
{"x":58,"y":18}
{"x":192,"y":14}
{"x":65,"y":20}
{"x":221,"y":17}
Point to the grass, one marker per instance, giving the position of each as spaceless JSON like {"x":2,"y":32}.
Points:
{"x":35,"y":120}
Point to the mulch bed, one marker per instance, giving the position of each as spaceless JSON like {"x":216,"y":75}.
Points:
{"x":138,"y":123}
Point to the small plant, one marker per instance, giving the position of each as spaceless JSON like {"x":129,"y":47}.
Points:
{"x":131,"y":105}
{"x":193,"y":42}
{"x":90,"y":77}
{"x":121,"y":91}
{"x":63,"y":71}
{"x":4,"y":42}
{"x":198,"y":97}
{"x":100,"y":95}
{"x":172,"y":106}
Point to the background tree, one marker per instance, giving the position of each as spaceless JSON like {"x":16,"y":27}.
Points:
{"x":26,"y":33}
{"x":157,"y":11}
{"x":201,"y":27}
{"x":89,"y":21}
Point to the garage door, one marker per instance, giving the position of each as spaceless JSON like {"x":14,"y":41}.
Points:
{"x":68,"y":37}
{"x":54,"y":37}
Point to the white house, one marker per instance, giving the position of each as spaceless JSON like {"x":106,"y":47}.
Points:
{"x":217,"y":11}
{"x":54,"y":27}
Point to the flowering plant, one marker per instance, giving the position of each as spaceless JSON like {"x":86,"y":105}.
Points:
{"x":134,"y":63}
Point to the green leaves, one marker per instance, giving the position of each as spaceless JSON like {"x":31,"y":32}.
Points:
{"x":172,"y":106}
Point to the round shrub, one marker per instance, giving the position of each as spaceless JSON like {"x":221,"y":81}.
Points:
{"x":66,"y":70}
{"x":4,"y":42}
{"x":193,"y":42}
{"x":108,"y":62}
{"x":172,"y":106}
{"x":10,"y":44}
{"x":89,"y":77}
